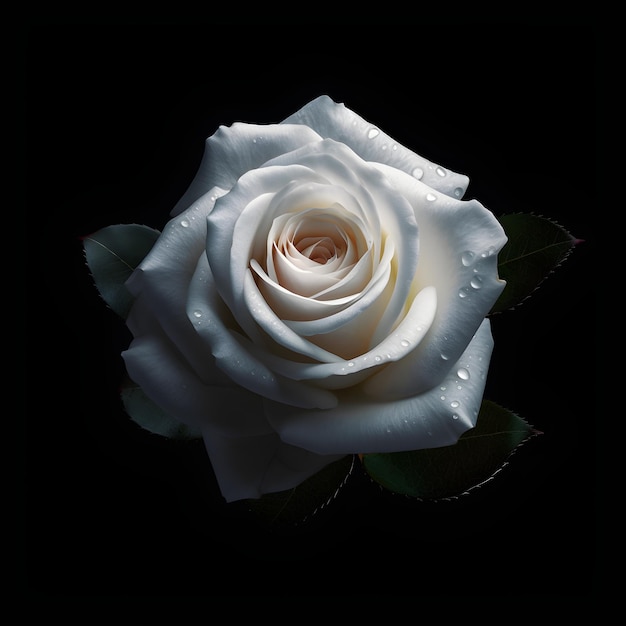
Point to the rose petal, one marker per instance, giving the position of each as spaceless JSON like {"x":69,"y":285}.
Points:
{"x":248,"y":467}
{"x":335,"y":121}
{"x":267,"y":319}
{"x":459,"y":242}
{"x":293,"y":306}
{"x":154,"y":363}
{"x":437,"y":417}
{"x":235,"y":354}
{"x":232,"y":151}
{"x":346,"y":373}
{"x":161,"y":281}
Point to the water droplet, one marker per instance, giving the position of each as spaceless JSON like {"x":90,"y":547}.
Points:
{"x":395,"y":146}
{"x":378,"y":358}
{"x":476,"y":282}
{"x":404,"y":343}
{"x":440,"y":171}
{"x":463,"y":292}
{"x":443,"y":387}
{"x":455,"y":404}
{"x":373,"y":132}
{"x":384,"y":147}
{"x":431,"y":197}
{"x":458,"y":192}
{"x":418,"y":172}
{"x":184,"y":223}
{"x":463,"y":373}
{"x":467,"y":257}
{"x":455,"y":416}
{"x":197,"y":313}
{"x":351,"y":364}
{"x":442,"y":397}
{"x":445,"y":357}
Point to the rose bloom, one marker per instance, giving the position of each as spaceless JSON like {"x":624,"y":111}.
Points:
{"x":320,"y":291}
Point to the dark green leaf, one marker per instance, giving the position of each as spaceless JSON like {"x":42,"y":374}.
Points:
{"x":112,"y":254}
{"x":293,"y":506}
{"x":151,"y":417}
{"x":450,"y":471}
{"x":535,"y":247}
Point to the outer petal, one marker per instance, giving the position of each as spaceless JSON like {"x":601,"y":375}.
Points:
{"x":459,"y":242}
{"x":164,"y":376}
{"x":232,"y":151}
{"x":248,"y":467}
{"x":435,"y":418}
{"x":161,"y":282}
{"x":335,"y":121}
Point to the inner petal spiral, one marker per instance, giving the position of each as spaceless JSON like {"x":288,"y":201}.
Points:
{"x":314,"y":253}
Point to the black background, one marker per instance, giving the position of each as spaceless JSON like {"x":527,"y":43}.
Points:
{"x":122,"y":525}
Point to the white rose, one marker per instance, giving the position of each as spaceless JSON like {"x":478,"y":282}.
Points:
{"x":320,"y":291}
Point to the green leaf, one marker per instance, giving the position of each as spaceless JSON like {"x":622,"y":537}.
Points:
{"x":450,"y":471}
{"x":112,"y":254}
{"x":150,"y":417}
{"x":535,"y":247}
{"x":293,"y":506}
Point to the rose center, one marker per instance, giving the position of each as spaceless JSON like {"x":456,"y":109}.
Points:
{"x":318,"y":250}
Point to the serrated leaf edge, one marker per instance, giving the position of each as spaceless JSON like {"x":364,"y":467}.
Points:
{"x":318,"y":508}
{"x":531,"y":435}
{"x":549,"y":273}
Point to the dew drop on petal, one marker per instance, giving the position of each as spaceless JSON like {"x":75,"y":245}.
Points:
{"x":418,"y":172}
{"x":440,"y":171}
{"x":431,"y":197}
{"x":455,"y":404}
{"x":463,"y":373}
{"x":455,"y":416}
{"x":404,"y":343}
{"x":458,"y":192}
{"x":184,"y":223}
{"x":467,"y":257}
{"x":476,"y":282}
{"x":373,"y":132}
{"x":463,"y":292}
{"x":197,"y":313}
